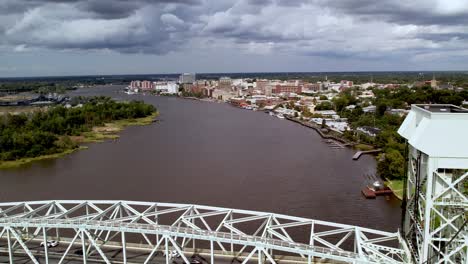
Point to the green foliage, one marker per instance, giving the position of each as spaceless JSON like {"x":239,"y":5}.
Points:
{"x":42,"y":87}
{"x":192,"y":94}
{"x":391,"y":164}
{"x":43,"y":133}
{"x":403,"y":97}
{"x":344,"y":99}
{"x":324,"y":106}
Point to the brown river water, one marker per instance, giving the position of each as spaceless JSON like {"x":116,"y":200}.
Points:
{"x":211,"y":154}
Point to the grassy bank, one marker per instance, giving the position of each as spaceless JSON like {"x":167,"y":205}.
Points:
{"x":397,"y":187}
{"x":363,"y":147}
{"x":111,"y":130}
{"x":98,"y":134}
{"x":20,"y":162}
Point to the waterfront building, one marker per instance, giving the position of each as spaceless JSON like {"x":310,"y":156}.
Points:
{"x":435,"y":197}
{"x":166,"y":87}
{"x":261,"y":84}
{"x":225,"y":83}
{"x":238,"y":101}
{"x":287,"y":88}
{"x":187,"y":78}
{"x":222,"y":95}
{"x":135,"y":85}
{"x":147,"y":85}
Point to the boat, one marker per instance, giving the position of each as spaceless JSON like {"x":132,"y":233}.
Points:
{"x":129,"y":92}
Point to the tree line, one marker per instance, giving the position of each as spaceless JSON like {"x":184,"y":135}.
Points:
{"x":48,"y":132}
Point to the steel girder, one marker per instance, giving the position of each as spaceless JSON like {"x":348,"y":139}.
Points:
{"x":95,"y":225}
{"x":436,"y":211}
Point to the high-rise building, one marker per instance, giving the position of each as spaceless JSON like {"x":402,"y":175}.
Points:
{"x":187,"y":78}
{"x":435,"y":199}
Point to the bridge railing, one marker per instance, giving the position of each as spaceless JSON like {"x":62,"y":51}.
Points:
{"x":253,"y":231}
{"x":293,"y":247}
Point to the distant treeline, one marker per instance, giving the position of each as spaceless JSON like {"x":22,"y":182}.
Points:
{"x":456,"y":78}
{"x":35,"y":86}
{"x":47,"y":132}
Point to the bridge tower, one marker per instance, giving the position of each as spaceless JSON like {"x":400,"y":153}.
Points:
{"x":435,"y":200}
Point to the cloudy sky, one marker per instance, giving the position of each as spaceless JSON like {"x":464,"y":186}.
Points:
{"x":75,"y":37}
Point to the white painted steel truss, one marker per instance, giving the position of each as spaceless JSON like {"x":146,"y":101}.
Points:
{"x":437,"y":210}
{"x":94,"y":226}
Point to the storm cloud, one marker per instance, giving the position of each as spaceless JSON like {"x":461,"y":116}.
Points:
{"x":354,"y":30}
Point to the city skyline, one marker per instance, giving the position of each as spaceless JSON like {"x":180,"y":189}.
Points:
{"x":57,"y":37}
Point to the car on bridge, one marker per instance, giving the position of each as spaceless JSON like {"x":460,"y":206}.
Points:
{"x":173,"y":254}
{"x":50,"y":243}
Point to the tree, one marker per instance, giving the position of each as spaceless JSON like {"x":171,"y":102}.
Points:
{"x":340,"y":103}
{"x":324,"y":106}
{"x":43,"y":133}
{"x":380,"y":109}
{"x":391,"y":165}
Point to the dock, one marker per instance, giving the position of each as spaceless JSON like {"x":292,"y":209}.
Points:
{"x":368,"y":193}
{"x":358,"y":154}
{"x":371,"y":194}
{"x":318,"y":130}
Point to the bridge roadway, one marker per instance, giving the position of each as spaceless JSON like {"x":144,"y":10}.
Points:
{"x":94,"y":226}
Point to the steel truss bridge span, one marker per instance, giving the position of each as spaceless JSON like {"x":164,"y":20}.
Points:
{"x":93,"y":226}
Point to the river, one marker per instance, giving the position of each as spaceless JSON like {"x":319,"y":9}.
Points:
{"x":211,"y":154}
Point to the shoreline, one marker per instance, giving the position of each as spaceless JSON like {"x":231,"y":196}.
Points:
{"x":98,"y":134}
{"x":394,"y":185}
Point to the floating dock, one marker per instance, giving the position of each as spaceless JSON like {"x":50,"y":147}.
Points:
{"x":371,"y":194}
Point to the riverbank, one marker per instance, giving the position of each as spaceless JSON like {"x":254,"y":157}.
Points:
{"x":110,"y":130}
{"x":21,"y":162}
{"x":98,"y":134}
{"x":397,"y":187}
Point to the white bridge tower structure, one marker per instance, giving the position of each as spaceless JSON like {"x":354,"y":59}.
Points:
{"x":435,"y":200}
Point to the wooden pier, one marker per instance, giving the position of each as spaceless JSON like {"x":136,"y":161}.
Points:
{"x":360,"y":153}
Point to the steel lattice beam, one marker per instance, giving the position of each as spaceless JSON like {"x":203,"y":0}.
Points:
{"x":99,"y":224}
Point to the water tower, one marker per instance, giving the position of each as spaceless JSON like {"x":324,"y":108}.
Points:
{"x":436,"y":204}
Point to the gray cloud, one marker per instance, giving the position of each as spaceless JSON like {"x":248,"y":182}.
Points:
{"x":334,"y":29}
{"x":418,"y":12}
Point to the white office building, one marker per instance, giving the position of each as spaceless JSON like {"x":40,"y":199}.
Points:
{"x":166,"y":87}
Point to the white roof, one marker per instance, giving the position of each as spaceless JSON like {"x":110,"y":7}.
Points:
{"x":437,"y":130}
